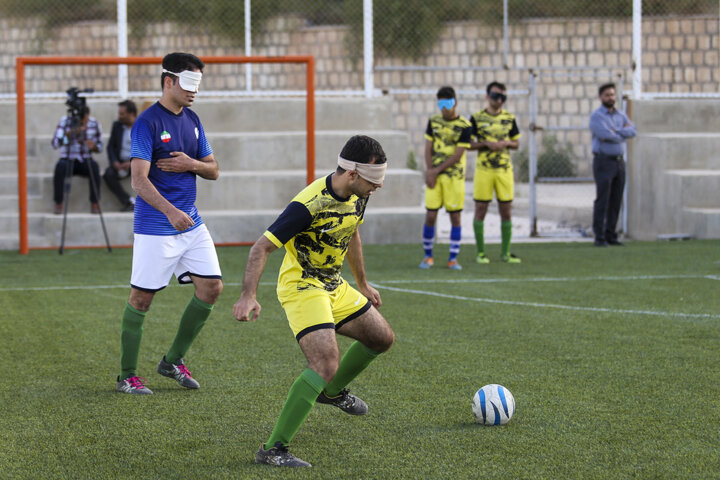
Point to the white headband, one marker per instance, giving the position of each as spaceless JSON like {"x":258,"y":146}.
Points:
{"x":372,"y":172}
{"x":189,"y":80}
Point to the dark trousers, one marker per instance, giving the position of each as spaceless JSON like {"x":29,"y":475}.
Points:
{"x":76,"y":168}
{"x":112,"y":180}
{"x":609,"y":173}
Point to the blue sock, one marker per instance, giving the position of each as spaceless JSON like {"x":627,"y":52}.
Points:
{"x":455,"y":235}
{"x":428,"y":237}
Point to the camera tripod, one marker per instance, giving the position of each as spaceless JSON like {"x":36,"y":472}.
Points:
{"x":73,"y":135}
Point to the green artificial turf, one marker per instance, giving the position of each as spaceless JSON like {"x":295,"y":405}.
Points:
{"x":612,"y":355}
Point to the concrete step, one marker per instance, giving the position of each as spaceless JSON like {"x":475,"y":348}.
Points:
{"x":247,"y":150}
{"x":678,"y":150}
{"x":8,"y":145}
{"x":222,"y":115}
{"x":701,"y":222}
{"x":382,"y":225}
{"x":669,"y":115}
{"x":694,"y":188}
{"x":248,"y":190}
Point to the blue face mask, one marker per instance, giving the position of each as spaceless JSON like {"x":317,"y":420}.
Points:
{"x":446,"y":103}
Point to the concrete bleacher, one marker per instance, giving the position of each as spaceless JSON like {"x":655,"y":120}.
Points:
{"x":674,"y":169}
{"x":260,"y":147}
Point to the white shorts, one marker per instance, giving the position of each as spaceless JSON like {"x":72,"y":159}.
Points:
{"x":157,"y":257}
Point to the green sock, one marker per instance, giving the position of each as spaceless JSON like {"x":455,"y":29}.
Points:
{"x":506,"y":231}
{"x":131,"y":335}
{"x":357,"y":357}
{"x":479,"y":227}
{"x":300,"y":401}
{"x":191,"y":323}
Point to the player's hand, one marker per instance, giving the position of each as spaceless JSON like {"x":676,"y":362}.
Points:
{"x":246,"y":309}
{"x":179,"y":162}
{"x":91,"y":145}
{"x":180,"y":220}
{"x":373,"y":295}
{"x":496,"y":146}
{"x":431,"y":178}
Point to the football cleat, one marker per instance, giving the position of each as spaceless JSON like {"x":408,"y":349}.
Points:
{"x":178,"y":371}
{"x":133,"y":385}
{"x":345,"y":401}
{"x":454,"y":265}
{"x":482,"y":258}
{"x":427,"y":263}
{"x":511,"y":259}
{"x":279,"y":456}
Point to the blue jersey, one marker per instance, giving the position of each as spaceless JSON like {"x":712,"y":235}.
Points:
{"x":156,"y":133}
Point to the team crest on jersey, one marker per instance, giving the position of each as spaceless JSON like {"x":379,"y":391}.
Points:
{"x":165,"y":136}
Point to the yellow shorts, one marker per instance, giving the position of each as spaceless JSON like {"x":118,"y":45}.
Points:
{"x":315,"y":308}
{"x":499,"y":180}
{"x":448,"y":192}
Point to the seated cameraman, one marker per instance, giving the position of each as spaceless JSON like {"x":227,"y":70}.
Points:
{"x":76,"y":147}
{"x":118,"y":151}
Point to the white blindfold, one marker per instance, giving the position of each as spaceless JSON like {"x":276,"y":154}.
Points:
{"x":372,"y":172}
{"x":189,"y":80}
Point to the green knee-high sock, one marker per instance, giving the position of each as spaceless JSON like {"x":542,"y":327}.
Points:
{"x":191,"y":323}
{"x":300,"y":401}
{"x":506,"y":231}
{"x":479,"y":227}
{"x":131,"y":335}
{"x":355,"y":360}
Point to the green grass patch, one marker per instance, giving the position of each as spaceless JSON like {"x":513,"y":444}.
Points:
{"x":611,"y":354}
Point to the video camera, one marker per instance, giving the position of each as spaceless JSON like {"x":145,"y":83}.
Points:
{"x":75,"y":102}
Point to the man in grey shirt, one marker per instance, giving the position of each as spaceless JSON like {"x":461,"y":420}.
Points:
{"x":610,"y":129}
{"x":119,"y":154}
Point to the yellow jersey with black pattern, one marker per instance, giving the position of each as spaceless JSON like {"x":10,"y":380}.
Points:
{"x":446,"y":136}
{"x":315,"y":228}
{"x":493,"y":128}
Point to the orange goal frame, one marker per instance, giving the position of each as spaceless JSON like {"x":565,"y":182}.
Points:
{"x":20,"y":62}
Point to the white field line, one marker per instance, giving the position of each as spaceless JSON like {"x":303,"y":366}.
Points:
{"x":383,"y":286}
{"x":428,"y":280}
{"x":550,"y":305}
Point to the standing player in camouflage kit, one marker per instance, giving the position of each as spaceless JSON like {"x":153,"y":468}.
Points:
{"x":446,"y":138}
{"x":168,"y":151}
{"x":496,"y":133}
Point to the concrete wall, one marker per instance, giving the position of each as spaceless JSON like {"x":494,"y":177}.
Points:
{"x":674,"y":169}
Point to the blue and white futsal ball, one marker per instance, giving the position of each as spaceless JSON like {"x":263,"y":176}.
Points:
{"x":493,"y":405}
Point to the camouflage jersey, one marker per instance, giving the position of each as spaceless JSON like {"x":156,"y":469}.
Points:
{"x":315,"y":228}
{"x":493,"y":128}
{"x":446,"y":136}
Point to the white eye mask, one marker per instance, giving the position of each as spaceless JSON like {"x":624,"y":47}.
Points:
{"x":189,"y":80}
{"x":373,"y":173}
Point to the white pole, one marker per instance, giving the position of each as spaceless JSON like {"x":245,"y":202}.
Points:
{"x":505,"y":34}
{"x":122,"y":47}
{"x":637,"y":49}
{"x":532,"y":156}
{"x":248,"y":46}
{"x":368,"y":47}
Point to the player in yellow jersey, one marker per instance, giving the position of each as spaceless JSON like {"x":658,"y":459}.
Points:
{"x":446,"y":138}
{"x":318,"y":229}
{"x":495,"y":133}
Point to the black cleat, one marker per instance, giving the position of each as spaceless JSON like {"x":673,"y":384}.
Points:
{"x":345,"y":401}
{"x":279,"y":456}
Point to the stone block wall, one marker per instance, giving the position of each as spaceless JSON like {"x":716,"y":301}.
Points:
{"x":680,"y":54}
